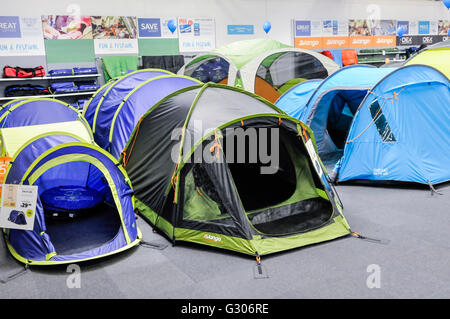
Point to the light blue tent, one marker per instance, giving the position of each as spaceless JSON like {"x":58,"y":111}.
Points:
{"x":294,"y":100}
{"x":330,"y":107}
{"x":401,"y":131}
{"x":358,"y":114}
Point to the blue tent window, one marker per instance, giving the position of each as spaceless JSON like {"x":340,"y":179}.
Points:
{"x":381,"y":123}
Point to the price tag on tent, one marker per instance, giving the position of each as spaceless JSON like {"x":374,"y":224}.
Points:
{"x":18,"y":206}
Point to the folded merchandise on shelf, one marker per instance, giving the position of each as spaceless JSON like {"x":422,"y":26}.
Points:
{"x":25,"y":90}
{"x":73,"y":71}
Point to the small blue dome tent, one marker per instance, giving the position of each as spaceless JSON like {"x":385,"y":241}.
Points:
{"x":69,"y":173}
{"x":37,"y":111}
{"x":333,"y":110}
{"x":294,"y":100}
{"x":100,"y":114}
{"x":137,"y":103}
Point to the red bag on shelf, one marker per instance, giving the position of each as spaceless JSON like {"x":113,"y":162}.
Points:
{"x":18,"y":72}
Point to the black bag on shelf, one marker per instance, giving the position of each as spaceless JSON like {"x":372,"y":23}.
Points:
{"x":25,"y":90}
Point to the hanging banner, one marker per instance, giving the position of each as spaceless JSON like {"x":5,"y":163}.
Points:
{"x":443,"y":27}
{"x":383,"y":27}
{"x":358,"y":28}
{"x":308,"y":43}
{"x":235,"y":29}
{"x":404,"y":25}
{"x":21,"y":36}
{"x":155,"y":28}
{"x":417,"y":40}
{"x":316,"y":28}
{"x":413,"y":27}
{"x":116,"y":46}
{"x":423,"y":27}
{"x":18,"y":206}
{"x":196,"y":34}
{"x":302,"y":28}
{"x":56,"y":27}
{"x":114,"y":35}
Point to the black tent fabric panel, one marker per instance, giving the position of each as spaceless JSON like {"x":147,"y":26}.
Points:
{"x":170,"y":63}
{"x":150,"y":164}
{"x":217,"y":106}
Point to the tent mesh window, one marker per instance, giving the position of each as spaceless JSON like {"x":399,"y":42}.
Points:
{"x":381,"y":123}
{"x":284,"y":70}
{"x":73,"y":224}
{"x":212,"y":69}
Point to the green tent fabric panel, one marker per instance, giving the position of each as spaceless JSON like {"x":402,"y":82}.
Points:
{"x":153,"y":47}
{"x":114,"y":66}
{"x":60,"y":51}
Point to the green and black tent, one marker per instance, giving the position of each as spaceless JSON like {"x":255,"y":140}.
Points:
{"x":190,"y":160}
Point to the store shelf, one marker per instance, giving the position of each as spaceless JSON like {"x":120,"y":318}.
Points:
{"x":47,"y":95}
{"x":46,"y":78}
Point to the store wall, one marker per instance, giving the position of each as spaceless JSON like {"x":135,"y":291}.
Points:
{"x":278,"y":12}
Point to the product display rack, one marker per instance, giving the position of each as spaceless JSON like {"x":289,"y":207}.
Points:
{"x":48,"y":79}
{"x":378,"y":56}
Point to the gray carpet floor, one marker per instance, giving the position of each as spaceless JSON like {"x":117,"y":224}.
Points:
{"x":415,"y":264}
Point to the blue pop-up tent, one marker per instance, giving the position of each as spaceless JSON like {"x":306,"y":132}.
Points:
{"x":91,"y":193}
{"x":335,"y":111}
{"x":100,"y":110}
{"x":36,"y":111}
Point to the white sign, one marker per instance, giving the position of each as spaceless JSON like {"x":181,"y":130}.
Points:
{"x":18,"y":206}
{"x":316,"y":28}
{"x":116,"y":46}
{"x":21,"y":36}
{"x":196,"y":34}
{"x":413,"y":27}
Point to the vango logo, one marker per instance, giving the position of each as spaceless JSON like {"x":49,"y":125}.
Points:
{"x":336,"y":42}
{"x":310,"y":43}
{"x":212,"y":238}
{"x":386,"y":41}
{"x":361,"y":41}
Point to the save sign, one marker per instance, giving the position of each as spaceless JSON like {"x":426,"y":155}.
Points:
{"x":149,"y":28}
